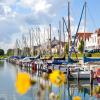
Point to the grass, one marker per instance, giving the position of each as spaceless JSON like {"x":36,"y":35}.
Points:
{"x":80,"y":55}
{"x":4,"y":56}
{"x":96,"y":55}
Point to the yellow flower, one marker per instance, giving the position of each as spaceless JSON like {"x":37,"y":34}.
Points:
{"x":96,"y":90}
{"x":57,"y":77}
{"x":23,"y":82}
{"x":77,"y":98}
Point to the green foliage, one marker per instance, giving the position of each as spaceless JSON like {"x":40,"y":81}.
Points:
{"x":93,"y":54}
{"x":89,"y":55}
{"x":96,"y":55}
{"x":55,"y":55}
{"x":66,"y":49}
{"x":3,"y":57}
{"x":1,"y":52}
{"x":1,"y":63}
{"x":19,"y":51}
{"x":78,"y":54}
{"x":10,"y":52}
{"x":81,"y":46}
{"x":26,"y":51}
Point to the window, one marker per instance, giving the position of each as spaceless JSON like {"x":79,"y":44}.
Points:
{"x":31,"y":58}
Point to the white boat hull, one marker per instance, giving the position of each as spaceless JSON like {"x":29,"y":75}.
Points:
{"x":81,"y":75}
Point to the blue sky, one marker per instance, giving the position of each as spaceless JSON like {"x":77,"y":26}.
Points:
{"x":17,"y":16}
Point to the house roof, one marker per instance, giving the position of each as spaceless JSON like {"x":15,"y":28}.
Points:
{"x":98,"y":31}
{"x":36,"y":47}
{"x":81,"y":35}
{"x":55,"y":42}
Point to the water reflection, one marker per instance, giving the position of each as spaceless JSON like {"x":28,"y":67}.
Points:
{"x":67,"y":91}
{"x":1,"y":65}
{"x":7,"y":83}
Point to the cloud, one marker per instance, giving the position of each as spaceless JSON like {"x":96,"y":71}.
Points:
{"x":7,"y":28}
{"x":42,"y":6}
{"x":36,"y":6}
{"x":17,"y":16}
{"x":6,"y":12}
{"x":8,"y":2}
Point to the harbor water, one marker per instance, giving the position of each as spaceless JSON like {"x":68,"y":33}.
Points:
{"x":73,"y":88}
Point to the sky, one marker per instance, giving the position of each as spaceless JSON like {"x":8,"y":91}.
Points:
{"x":18,"y":16}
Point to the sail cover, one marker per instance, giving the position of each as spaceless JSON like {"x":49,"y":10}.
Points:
{"x":87,"y":59}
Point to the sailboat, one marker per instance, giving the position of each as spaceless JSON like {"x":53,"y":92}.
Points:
{"x":60,"y":61}
{"x":91,"y":60}
{"x":80,"y":72}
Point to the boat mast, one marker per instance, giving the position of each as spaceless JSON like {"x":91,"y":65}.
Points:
{"x":64,"y":26}
{"x":73,"y":44}
{"x":43,"y":48}
{"x":17,"y":48}
{"x":44,"y":36}
{"x":84,"y":27}
{"x":59,"y":32}
{"x":50,"y":39}
{"x":39,"y":41}
{"x":69,"y":30}
{"x":32,"y":43}
{"x":64,"y":38}
{"x":30,"y":36}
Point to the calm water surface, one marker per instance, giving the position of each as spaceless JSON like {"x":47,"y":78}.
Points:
{"x":8,"y":92}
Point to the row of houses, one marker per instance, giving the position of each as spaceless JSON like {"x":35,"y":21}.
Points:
{"x":56,"y":46}
{"x":92,"y":41}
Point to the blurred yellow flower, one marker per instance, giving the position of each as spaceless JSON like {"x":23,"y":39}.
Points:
{"x":57,"y":77}
{"x":77,"y":98}
{"x":23,"y":82}
{"x":96,"y":91}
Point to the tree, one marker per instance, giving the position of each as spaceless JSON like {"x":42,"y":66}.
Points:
{"x":81,"y":46}
{"x":1,"y":52}
{"x":66,"y":48}
{"x":10,"y":52}
{"x":26,"y":51}
{"x":17,"y":51}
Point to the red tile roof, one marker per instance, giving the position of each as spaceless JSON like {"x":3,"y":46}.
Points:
{"x":81,"y":35}
{"x":98,"y":31}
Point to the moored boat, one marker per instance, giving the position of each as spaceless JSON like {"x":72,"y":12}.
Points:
{"x":81,"y":74}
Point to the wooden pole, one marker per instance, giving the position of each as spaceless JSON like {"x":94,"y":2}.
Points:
{"x":78,"y":76}
{"x":59,"y":38}
{"x":91,"y":77}
{"x":69,"y":30}
{"x":50,"y":40}
{"x":68,"y":73}
{"x":64,"y":39}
